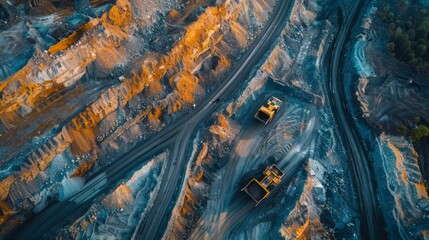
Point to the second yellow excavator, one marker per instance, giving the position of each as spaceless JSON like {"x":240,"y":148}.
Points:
{"x":259,"y":190}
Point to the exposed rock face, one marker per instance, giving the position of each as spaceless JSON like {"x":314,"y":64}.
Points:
{"x":197,"y":42}
{"x":154,"y":90}
{"x":390,"y":93}
{"x":45,"y":74}
{"x":408,"y":195}
{"x":304,"y":220}
{"x":278,"y":64}
{"x":390,"y":102}
{"x":31,"y":25}
{"x":293,"y":54}
{"x":41,"y":158}
{"x":122,"y":196}
{"x":216,"y":207}
{"x":222,"y":131}
{"x":142,"y":92}
{"x":199,"y":177}
{"x":117,"y":214}
{"x":390,"y":96}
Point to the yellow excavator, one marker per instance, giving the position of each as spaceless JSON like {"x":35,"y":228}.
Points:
{"x":266,"y":113}
{"x":259,"y":190}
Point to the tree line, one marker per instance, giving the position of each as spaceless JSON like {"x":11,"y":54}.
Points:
{"x":408,"y":31}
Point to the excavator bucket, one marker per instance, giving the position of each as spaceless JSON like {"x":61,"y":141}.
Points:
{"x":263,"y":115}
{"x":266,"y":113}
{"x":256,"y":191}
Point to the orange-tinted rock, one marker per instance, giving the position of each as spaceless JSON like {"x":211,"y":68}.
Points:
{"x":44,"y":75}
{"x":173,"y":15}
{"x":83,"y":141}
{"x":84,"y":167}
{"x":186,"y":84}
{"x":120,"y":14}
{"x":424,"y":234}
{"x":199,"y":177}
{"x":188,"y":203}
{"x":222,"y":128}
{"x":5,"y":213}
{"x":120,"y":198}
{"x":68,"y":41}
{"x":155,"y":114}
{"x":5,"y":186}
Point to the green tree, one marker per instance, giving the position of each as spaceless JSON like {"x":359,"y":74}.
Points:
{"x":419,"y":132}
{"x":417,"y":119}
{"x":423,"y":67}
{"x":408,"y":31}
{"x":403,"y":4}
{"x":421,"y":50}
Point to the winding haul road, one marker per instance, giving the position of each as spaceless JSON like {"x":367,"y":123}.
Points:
{"x":371,"y":218}
{"x":178,"y":133}
{"x":154,"y":225}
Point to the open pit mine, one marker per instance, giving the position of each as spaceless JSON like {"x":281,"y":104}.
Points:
{"x":214,"y":119}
